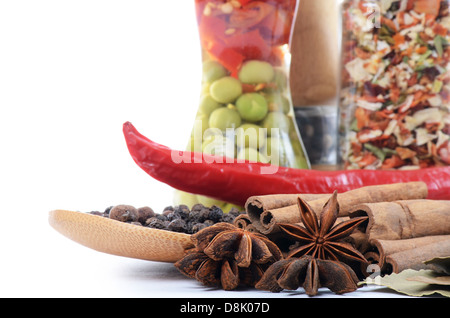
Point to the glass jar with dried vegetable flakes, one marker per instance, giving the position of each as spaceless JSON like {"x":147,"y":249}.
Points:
{"x":395,"y":86}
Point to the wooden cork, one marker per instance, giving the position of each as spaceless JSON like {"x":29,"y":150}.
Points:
{"x":315,"y":57}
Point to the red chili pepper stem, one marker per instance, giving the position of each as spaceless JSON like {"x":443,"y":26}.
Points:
{"x":233,"y":181}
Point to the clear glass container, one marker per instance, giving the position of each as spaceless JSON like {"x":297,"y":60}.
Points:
{"x":245,"y":109}
{"x":395,"y":86}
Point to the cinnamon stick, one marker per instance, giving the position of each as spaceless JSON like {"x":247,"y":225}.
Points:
{"x":256,"y":206}
{"x":273,"y":201}
{"x":242,"y":221}
{"x":415,"y":258}
{"x":392,"y":255}
{"x":266,"y":211}
{"x":404,"y":219}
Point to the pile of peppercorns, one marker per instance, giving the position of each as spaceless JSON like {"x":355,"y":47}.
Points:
{"x":173,"y":218}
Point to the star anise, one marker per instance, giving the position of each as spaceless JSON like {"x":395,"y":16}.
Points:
{"x":227,"y":256}
{"x":323,"y":240}
{"x":310,"y":273}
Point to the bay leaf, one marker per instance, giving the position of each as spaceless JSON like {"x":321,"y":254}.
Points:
{"x":402,"y":283}
{"x":440,"y":264}
{"x":438,"y":280}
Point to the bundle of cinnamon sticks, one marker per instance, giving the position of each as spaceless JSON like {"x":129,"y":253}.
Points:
{"x":403,"y":230}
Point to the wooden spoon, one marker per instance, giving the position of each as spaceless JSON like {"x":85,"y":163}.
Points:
{"x":118,"y":238}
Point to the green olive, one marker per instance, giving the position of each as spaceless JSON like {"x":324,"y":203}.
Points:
{"x":205,"y":88}
{"x":194,"y":146}
{"x":203,"y":119}
{"x":276,"y":120}
{"x":278,"y":103}
{"x":212,"y":71}
{"x":274,"y":151}
{"x":256,"y":72}
{"x":252,"y":107}
{"x":208,"y":104}
{"x":251,"y":154}
{"x":218,"y":145}
{"x":281,"y":80}
{"x":224,"y":117}
{"x":226,"y":89}
{"x":250,"y":136}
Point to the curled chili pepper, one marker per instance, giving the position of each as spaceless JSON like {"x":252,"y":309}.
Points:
{"x":234,"y":181}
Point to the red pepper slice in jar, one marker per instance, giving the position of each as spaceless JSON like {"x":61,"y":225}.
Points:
{"x":232,"y":181}
{"x":250,"y":44}
{"x":228,"y":57}
{"x":250,"y":15}
{"x":244,"y":2}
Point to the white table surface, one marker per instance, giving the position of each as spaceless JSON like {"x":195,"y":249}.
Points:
{"x":71,"y":73}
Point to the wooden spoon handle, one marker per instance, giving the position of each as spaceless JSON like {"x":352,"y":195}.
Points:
{"x":118,"y":238}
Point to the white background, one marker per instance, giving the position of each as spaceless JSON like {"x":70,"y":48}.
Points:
{"x":71,"y":73}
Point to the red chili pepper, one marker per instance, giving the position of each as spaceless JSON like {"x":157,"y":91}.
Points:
{"x":235,"y":182}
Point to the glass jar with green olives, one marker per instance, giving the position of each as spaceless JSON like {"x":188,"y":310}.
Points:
{"x":245,"y":110}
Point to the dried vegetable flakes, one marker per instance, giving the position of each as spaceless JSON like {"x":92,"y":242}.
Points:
{"x":395,"y":97}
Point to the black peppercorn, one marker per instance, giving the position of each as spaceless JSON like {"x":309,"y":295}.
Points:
{"x":229,"y":218}
{"x":161,"y":217}
{"x":195,"y":215}
{"x":124,"y":213}
{"x":107,"y":210}
{"x":144,"y":213}
{"x":215,"y":214}
{"x":177,"y":225}
{"x":197,"y":227}
{"x":204,"y":214}
{"x":173,"y":218}
{"x":155,"y":223}
{"x":182,"y":211}
{"x":234,"y":211}
{"x":208,"y":222}
{"x":167,"y":210}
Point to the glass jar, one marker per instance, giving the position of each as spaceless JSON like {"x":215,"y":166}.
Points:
{"x":245,"y":109}
{"x":395,"y":85}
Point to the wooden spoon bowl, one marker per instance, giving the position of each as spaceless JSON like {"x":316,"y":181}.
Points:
{"x":118,"y":238}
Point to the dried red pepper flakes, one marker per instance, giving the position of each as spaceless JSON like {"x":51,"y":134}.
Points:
{"x":367,"y":160}
{"x":430,"y":7}
{"x":392,"y":162}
